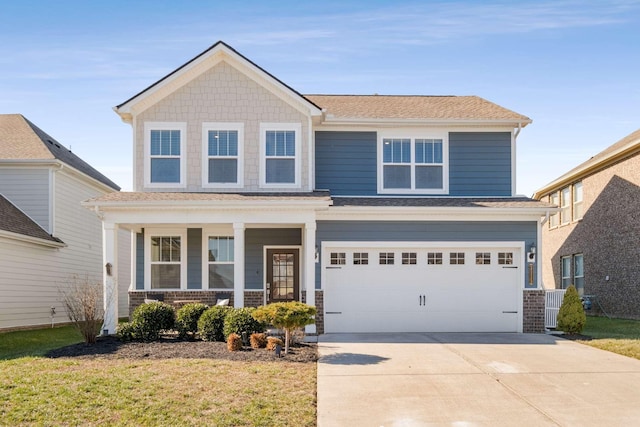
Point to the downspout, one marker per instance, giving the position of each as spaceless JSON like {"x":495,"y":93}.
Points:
{"x":513,"y":158}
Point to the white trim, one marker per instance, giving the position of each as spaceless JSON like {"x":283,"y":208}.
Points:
{"x":165,"y":232}
{"x":148,"y":127}
{"x":539,"y":253}
{"x":29,"y":239}
{"x":297,"y":129}
{"x":52,"y":201}
{"x":206,"y":234}
{"x":405,"y":213}
{"x":412,"y":135}
{"x":513,"y":163}
{"x":311,"y":144}
{"x":212,"y":126}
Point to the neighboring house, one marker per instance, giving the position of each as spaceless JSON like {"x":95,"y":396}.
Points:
{"x":387,"y":213}
{"x":46,"y":236}
{"x":593,"y":241}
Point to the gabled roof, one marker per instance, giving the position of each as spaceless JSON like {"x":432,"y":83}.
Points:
{"x":200,"y":64}
{"x":13,"y":220}
{"x":627,"y":146}
{"x":22,"y":140}
{"x":428,"y":108}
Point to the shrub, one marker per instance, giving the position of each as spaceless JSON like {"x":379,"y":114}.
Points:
{"x":240,"y":320}
{"x":286,"y":315}
{"x":152,"y":318}
{"x":571,"y":317}
{"x":126,"y":331}
{"x":272,"y":342}
{"x":82,"y":299}
{"x":234,"y":342}
{"x":187,"y":319}
{"x":211,"y":323}
{"x":258,"y":340}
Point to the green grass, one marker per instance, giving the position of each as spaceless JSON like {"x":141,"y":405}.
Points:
{"x":616,"y":335}
{"x":36,"y":342}
{"x":122,"y":392}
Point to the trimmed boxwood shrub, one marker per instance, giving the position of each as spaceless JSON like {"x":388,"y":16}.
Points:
{"x":258,"y":340}
{"x":151,"y":319}
{"x":240,"y":320}
{"x":234,"y":342}
{"x":211,"y":323}
{"x":187,"y":319}
{"x":126,"y":331}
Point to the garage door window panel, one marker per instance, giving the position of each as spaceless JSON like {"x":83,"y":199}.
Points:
{"x":434,"y":258}
{"x":387,"y":258}
{"x":409,"y":258}
{"x":483,"y":258}
{"x":505,"y":258}
{"x":338,"y":258}
{"x":360,"y":258}
{"x":456,"y":258}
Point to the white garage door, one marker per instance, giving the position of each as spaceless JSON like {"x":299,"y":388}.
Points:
{"x":425,"y":287}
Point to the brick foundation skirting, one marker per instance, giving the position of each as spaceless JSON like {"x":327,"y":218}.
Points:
{"x":533,"y":301}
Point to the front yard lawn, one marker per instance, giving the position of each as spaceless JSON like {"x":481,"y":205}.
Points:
{"x":616,"y":335}
{"x":127,"y":391}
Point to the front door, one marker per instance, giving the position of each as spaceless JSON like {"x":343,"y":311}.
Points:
{"x":282,"y":274}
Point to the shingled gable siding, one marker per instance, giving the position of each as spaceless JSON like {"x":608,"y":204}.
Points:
{"x":436,"y":231}
{"x":346,"y":162}
{"x":221,"y":95}
{"x":480,"y":164}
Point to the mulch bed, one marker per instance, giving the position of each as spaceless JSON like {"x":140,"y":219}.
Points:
{"x":170,"y":347}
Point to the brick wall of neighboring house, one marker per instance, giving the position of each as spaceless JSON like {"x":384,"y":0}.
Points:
{"x":533,"y":311}
{"x":222,"y":94}
{"x":608,"y":236}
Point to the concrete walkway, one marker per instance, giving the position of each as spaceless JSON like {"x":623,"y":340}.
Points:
{"x":473,"y":380}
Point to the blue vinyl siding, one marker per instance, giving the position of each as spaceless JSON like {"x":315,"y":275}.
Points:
{"x":140,"y":260}
{"x":194,"y":258}
{"x":425,"y":231}
{"x":479,"y":164}
{"x":346,"y":163}
{"x":255,"y":239}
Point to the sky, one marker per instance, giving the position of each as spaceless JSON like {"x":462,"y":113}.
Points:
{"x":573,"y":67}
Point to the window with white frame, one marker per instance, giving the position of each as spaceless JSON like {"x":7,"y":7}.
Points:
{"x":577,"y":201}
{"x":220,"y":259}
{"x":386,"y":258}
{"x":456,"y":258}
{"x":578,"y":273}
{"x":554,"y":200}
{"x":338,"y":258}
{"x":281,"y":154}
{"x":361,"y":258}
{"x":409,"y":258}
{"x":565,"y":271}
{"x":164,"y":154}
{"x":412,"y":165}
{"x":434,"y":258}
{"x":565,"y":205}
{"x":166,"y":264}
{"x":223,"y":154}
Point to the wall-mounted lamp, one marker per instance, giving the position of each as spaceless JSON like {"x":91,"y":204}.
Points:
{"x":533,"y":248}
{"x":108,"y":267}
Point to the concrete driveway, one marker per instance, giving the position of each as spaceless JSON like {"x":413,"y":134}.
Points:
{"x":473,"y":380}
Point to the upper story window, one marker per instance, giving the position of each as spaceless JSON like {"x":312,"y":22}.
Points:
{"x":412,"y":165}
{"x":565,"y":205}
{"x":553,"y":219}
{"x":280,"y":154}
{"x":577,"y":201}
{"x":223,"y":145}
{"x":164,"y":154}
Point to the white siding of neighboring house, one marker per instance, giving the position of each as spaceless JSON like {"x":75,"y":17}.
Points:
{"x":32,"y":276}
{"x":29,"y":190}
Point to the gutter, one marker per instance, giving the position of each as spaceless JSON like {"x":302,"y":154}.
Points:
{"x":30,"y":239}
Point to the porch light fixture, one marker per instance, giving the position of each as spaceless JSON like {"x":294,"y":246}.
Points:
{"x":533,"y":248}
{"x":108,"y":267}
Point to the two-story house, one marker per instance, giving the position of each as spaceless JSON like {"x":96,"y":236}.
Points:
{"x":592,"y":242}
{"x":387,"y":213}
{"x":46,"y":237}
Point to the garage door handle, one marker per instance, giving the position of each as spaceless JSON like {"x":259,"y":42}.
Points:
{"x":333,"y":312}
{"x":333,"y":268}
{"x":423,"y":300}
{"x":515,"y":266}
{"x":509,"y":312}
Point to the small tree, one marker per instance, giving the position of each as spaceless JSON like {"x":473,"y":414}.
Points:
{"x":571,"y":317}
{"x":82,"y":299}
{"x":286,"y":315}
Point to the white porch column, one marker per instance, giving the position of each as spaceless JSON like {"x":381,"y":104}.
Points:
{"x":238,"y":264}
{"x":110,"y":275}
{"x":309,"y":263}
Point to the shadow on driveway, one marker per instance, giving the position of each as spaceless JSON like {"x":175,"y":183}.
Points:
{"x":351,"y":359}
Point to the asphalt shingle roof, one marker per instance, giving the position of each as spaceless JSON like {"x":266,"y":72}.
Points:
{"x":414,"y":107}
{"x":22,"y":140}
{"x":14,"y":220}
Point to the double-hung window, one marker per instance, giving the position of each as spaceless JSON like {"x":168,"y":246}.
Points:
{"x":565,"y":271}
{"x":165,"y":254}
{"x":164,"y":154}
{"x":412,"y":164}
{"x":280,"y":149}
{"x":223,"y":145}
{"x":577,"y":201}
{"x":553,"y":219}
{"x":220,"y":260}
{"x":573,"y":276}
{"x":565,"y":205}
